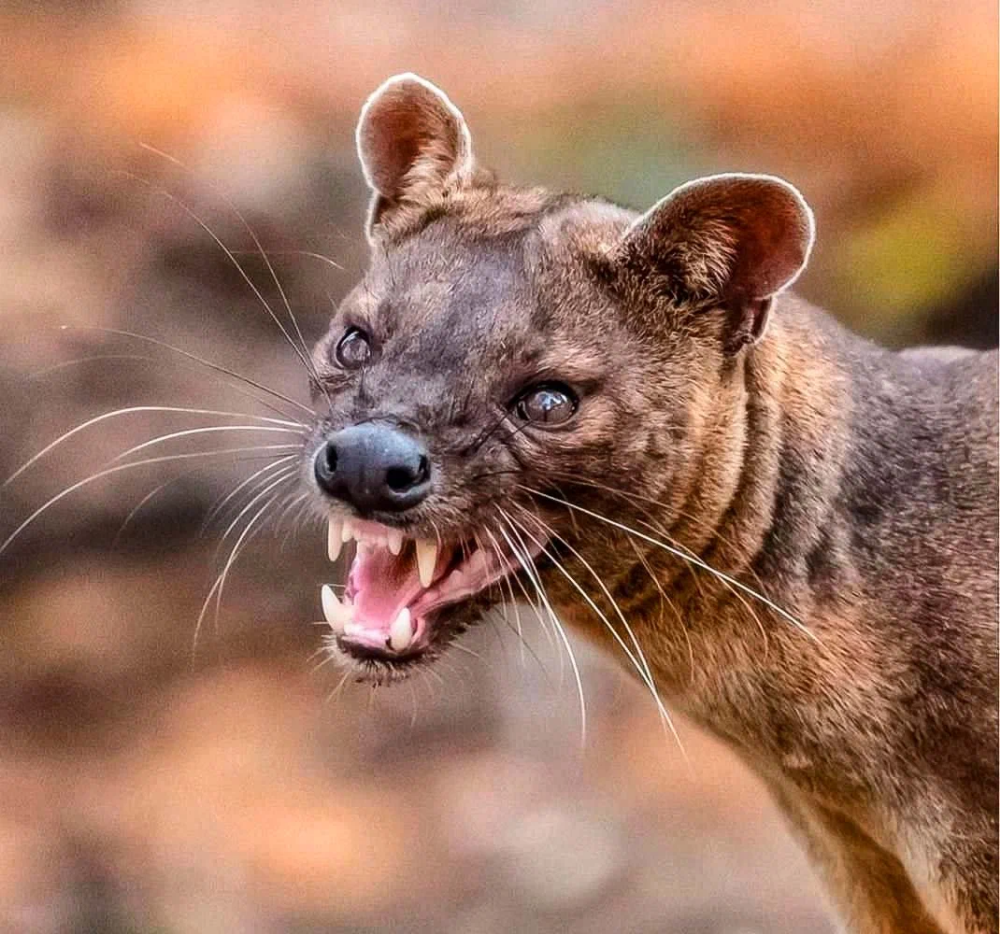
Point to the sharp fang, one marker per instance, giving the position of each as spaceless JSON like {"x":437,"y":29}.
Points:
{"x":334,"y":541}
{"x":337,"y":615}
{"x":395,"y":541}
{"x":347,"y":532}
{"x":427,"y":554}
{"x":401,"y":631}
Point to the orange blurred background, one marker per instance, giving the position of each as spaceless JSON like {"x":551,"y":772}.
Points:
{"x":150,"y":784}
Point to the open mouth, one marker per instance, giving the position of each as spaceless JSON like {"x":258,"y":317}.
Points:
{"x":396,"y":585}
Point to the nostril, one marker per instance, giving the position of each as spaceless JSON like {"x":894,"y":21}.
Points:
{"x":325,"y":467}
{"x":399,"y":479}
{"x":330,"y":459}
{"x":403,"y":479}
{"x":423,"y":471}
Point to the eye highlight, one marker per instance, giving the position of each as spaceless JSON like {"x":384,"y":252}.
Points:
{"x":354,"y":349}
{"x":547,"y":404}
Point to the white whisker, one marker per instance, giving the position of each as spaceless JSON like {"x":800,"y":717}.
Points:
{"x":467,"y":650}
{"x":131,"y":410}
{"x":535,"y":607}
{"x":320,"y":256}
{"x":284,"y":474}
{"x":640,"y":664}
{"x":189,"y":432}
{"x":220,"y":581}
{"x":93,"y":358}
{"x":218,"y":507}
{"x":695,"y":561}
{"x":109,"y":471}
{"x":523,"y":554}
{"x":513,"y":599}
{"x":134,"y":511}
{"x":743,"y":600}
{"x":665,"y":599}
{"x":340,"y":685}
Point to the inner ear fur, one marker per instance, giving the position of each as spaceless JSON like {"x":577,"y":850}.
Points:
{"x":413,"y":144}
{"x":727,"y":241}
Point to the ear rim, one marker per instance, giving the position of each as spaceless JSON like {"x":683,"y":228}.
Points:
{"x":797,"y":197}
{"x":463,"y":166}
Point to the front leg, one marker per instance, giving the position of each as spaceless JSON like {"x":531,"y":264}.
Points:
{"x":868,"y":886}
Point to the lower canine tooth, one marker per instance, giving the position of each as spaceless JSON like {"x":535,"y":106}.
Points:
{"x":334,"y":542}
{"x":427,"y":553}
{"x":337,"y":615}
{"x":401,"y":631}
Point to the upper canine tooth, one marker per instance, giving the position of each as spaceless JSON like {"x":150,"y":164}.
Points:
{"x":427,"y":554}
{"x":347,"y":533}
{"x":337,"y":615}
{"x":334,"y":541}
{"x":394,"y":541}
{"x":401,"y":631}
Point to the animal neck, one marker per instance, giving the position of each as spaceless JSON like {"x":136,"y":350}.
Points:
{"x":733,"y":552}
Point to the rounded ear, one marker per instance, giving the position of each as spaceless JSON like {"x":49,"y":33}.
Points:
{"x":412,"y":142}
{"x":730,"y":241}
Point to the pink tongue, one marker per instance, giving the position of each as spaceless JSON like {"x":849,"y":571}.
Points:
{"x":380,"y":585}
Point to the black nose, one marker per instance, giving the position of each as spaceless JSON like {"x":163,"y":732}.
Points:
{"x":374,"y":468}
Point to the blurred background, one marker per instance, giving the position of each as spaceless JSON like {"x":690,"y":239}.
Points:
{"x":148,"y":783}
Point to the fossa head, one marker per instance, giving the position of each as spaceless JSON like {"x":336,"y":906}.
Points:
{"x":509,"y":351}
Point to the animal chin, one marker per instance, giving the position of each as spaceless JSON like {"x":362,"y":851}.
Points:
{"x":397,"y":587}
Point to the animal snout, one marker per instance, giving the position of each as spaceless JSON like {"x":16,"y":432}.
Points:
{"x":375,"y":468}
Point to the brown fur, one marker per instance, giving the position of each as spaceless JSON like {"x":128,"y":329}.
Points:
{"x":853,"y":487}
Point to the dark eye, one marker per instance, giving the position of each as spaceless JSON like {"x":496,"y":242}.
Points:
{"x":354,"y":349}
{"x":548,"y":404}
